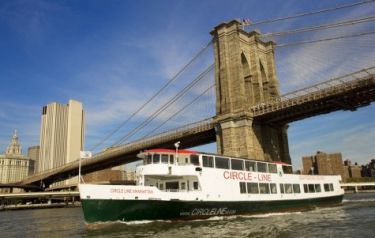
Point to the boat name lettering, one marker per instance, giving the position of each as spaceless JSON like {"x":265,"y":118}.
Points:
{"x":264,"y":177}
{"x":130,"y":190}
{"x":212,"y":211}
{"x":237,"y":175}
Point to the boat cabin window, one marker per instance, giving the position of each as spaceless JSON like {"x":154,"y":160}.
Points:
{"x":194,"y":159}
{"x":161,"y":186}
{"x":305,"y":188}
{"x":311,"y":188}
{"x":272,"y":168}
{"x":252,"y":188}
{"x":242,"y":187}
{"x":262,"y":167}
{"x":281,"y":188}
{"x":171,"y":186}
{"x":148,"y":159}
{"x":288,"y":188}
{"x":287,"y":169}
{"x":208,"y":161}
{"x":328,"y":187}
{"x":156,"y":159}
{"x":171,"y":159}
{"x":273,"y":188}
{"x":164,"y":159}
{"x":296,"y":188}
{"x":221,"y":163}
{"x":237,"y":164}
{"x":195,"y":185}
{"x":264,"y":188}
{"x":250,"y":166}
{"x":318,"y":188}
{"x":183,"y":186}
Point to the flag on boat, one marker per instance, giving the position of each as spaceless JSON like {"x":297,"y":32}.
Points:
{"x":246,"y":21}
{"x":85,"y":154}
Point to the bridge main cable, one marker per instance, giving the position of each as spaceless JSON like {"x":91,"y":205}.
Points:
{"x":195,"y":57}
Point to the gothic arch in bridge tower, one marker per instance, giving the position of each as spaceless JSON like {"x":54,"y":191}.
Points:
{"x":247,"y":79}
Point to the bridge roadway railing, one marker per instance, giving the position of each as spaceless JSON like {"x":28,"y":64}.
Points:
{"x":339,"y":85}
{"x":113,"y":152}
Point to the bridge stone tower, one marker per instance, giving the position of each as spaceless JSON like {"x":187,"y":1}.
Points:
{"x":245,"y":76}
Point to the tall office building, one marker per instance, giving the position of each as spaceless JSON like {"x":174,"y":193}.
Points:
{"x":33,"y":153}
{"x":62,"y":134}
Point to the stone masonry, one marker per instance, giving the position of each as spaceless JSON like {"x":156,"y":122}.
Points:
{"x":245,"y":76}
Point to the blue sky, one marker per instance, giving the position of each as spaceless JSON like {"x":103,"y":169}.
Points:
{"x":113,"y":55}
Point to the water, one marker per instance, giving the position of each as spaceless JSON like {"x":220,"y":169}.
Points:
{"x":355,"y":218}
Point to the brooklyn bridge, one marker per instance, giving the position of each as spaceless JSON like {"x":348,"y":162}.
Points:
{"x":252,"y":116}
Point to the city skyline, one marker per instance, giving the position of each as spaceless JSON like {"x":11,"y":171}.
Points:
{"x":114,"y":56}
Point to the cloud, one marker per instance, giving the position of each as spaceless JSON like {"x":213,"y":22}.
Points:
{"x":31,"y":20}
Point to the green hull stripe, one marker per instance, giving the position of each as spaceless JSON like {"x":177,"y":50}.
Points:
{"x":130,"y":210}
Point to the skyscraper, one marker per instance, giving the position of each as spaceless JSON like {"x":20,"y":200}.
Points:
{"x":61,"y":135}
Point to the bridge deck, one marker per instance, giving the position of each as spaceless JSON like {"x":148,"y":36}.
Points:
{"x":344,"y":93}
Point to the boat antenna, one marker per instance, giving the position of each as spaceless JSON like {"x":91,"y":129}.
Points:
{"x":176,"y":145}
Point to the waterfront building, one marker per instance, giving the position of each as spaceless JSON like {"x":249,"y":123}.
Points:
{"x":14,"y":166}
{"x":323,"y":164}
{"x":104,"y":176}
{"x":33,"y":153}
{"x":61,"y":135}
{"x":353,"y":171}
{"x":368,"y":170}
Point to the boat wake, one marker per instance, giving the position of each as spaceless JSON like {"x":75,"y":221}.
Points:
{"x":358,"y":200}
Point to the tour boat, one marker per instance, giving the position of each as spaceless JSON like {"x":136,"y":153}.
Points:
{"x":184,"y":184}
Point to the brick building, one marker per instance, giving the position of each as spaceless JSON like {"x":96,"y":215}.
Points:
{"x":323,"y":164}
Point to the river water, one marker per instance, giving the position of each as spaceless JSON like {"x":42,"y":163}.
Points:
{"x":355,"y":218}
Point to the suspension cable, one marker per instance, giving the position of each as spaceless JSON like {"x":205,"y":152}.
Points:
{"x":179,"y":111}
{"x":165,"y":106}
{"x":325,"y":39}
{"x":321,"y":27}
{"x":196,"y":56}
{"x":338,"y":7}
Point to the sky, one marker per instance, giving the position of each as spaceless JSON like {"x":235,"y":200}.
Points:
{"x":114,"y":55}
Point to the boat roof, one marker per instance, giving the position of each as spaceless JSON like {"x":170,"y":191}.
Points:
{"x":170,"y":151}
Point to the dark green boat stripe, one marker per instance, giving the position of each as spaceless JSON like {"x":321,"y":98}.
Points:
{"x":130,"y":210}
